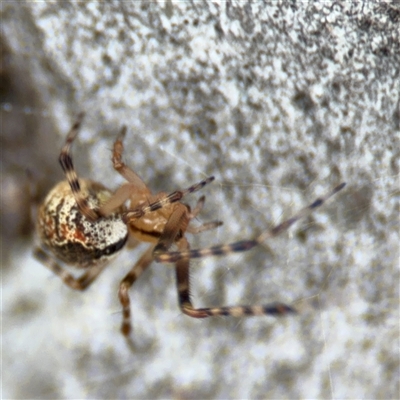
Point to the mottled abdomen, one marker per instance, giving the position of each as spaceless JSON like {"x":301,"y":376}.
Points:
{"x":70,"y":236}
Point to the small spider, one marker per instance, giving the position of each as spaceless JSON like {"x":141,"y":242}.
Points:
{"x":83,"y":224}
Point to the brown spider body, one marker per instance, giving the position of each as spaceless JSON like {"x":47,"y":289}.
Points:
{"x":83,"y":224}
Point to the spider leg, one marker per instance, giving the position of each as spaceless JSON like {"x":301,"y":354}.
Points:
{"x":207,"y":225}
{"x":136,"y":190}
{"x":121,"y":167}
{"x":183,"y":284}
{"x":177,"y":223}
{"x":204,"y":227}
{"x":65,"y":160}
{"x":167,"y":199}
{"x":80,"y":283}
{"x":245,"y":245}
{"x":199,"y":206}
{"x":130,"y":278}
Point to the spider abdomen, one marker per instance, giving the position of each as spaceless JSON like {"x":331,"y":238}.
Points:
{"x":73,"y":238}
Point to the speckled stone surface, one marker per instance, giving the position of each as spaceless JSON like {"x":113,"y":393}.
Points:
{"x":279,"y":102}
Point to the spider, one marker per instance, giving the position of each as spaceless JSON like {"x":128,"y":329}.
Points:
{"x":83,"y":224}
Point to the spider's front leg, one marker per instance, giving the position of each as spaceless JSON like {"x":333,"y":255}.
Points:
{"x":245,"y":245}
{"x":178,"y":222}
{"x":173,"y":197}
{"x":183,"y":284}
{"x":184,"y":254}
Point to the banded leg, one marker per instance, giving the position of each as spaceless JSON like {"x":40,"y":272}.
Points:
{"x":245,"y":245}
{"x":80,"y":283}
{"x":167,"y":199}
{"x":183,"y":284}
{"x":144,"y":261}
{"x":67,"y":165}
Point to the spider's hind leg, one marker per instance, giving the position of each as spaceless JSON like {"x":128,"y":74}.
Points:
{"x":81,"y":283}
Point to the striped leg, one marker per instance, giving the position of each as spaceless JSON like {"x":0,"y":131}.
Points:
{"x":80,"y":283}
{"x":144,"y":261}
{"x":167,"y":199}
{"x":182,"y":278}
{"x":67,"y":165}
{"x":245,"y":245}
